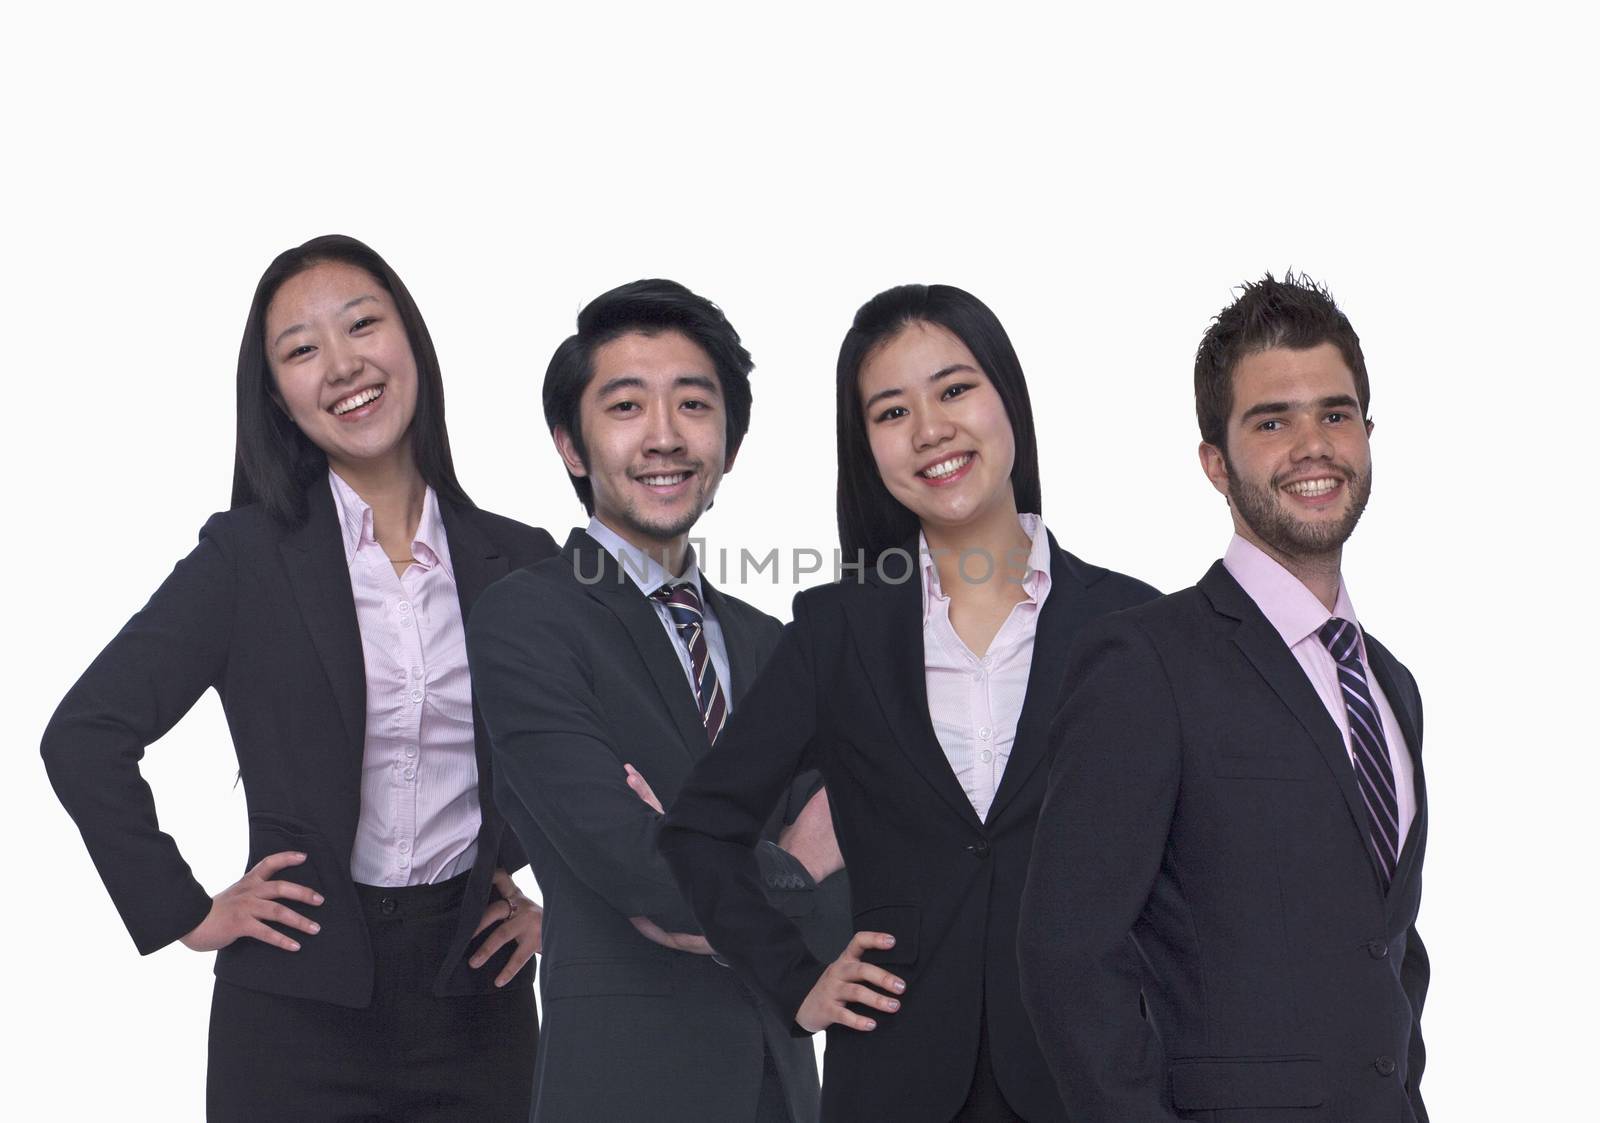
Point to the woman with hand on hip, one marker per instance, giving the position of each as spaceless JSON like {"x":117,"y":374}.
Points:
{"x":922,"y":690}
{"x":370,"y":960}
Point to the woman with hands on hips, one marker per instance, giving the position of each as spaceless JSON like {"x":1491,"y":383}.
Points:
{"x":371,"y":959}
{"x":921,"y":686}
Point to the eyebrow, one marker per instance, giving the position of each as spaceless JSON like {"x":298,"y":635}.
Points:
{"x":942,"y":372}
{"x":634,"y":382}
{"x":290,"y":330}
{"x":1344,"y":401}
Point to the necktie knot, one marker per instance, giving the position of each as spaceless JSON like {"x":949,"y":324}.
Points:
{"x":679,"y":595}
{"x":1341,"y":638}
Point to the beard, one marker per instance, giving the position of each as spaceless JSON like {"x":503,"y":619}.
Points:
{"x":1265,"y":511}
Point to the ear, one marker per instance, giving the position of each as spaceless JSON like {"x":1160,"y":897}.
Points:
{"x":1369,"y":427}
{"x":1215,"y":466}
{"x":727,"y":465}
{"x":569,"y":451}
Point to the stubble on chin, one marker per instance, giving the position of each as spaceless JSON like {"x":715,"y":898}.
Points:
{"x":1266,"y":513}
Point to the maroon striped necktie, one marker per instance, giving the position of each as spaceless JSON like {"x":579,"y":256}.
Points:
{"x":688,"y":616}
{"x":1374,"y":772}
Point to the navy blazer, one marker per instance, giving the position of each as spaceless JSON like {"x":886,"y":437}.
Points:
{"x":846,"y":693}
{"x":265,"y":614}
{"x":1204,"y":845}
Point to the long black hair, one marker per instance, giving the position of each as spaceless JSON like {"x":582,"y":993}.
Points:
{"x":273,"y":461}
{"x":870,"y":519}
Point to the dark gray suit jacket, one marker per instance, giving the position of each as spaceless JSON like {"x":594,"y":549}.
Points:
{"x":576,"y":677}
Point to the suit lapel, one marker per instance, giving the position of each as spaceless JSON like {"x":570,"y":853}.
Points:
{"x":477,"y":563}
{"x":1066,"y":609}
{"x":604,"y":580}
{"x":739,"y":640}
{"x":886,"y":627}
{"x":1382,"y":664}
{"x":313,"y":554}
{"x":1272,"y":659}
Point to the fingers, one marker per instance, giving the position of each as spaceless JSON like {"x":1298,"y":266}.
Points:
{"x":866,"y":996}
{"x":519,"y":960}
{"x":290,"y":891}
{"x":641,"y":788}
{"x":868,"y":941}
{"x":496,"y":940}
{"x":283,"y":914}
{"x":493,"y":913}
{"x":844,"y":1016}
{"x":878,"y":977}
{"x":503,"y":884}
{"x":272,"y":863}
{"x":259,"y":931}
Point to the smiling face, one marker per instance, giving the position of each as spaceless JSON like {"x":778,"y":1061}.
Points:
{"x":342,"y":365}
{"x":938,"y":429}
{"x":655,"y":434}
{"x":1298,"y":467}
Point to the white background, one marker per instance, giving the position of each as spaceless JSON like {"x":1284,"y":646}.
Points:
{"x":1100,"y":178}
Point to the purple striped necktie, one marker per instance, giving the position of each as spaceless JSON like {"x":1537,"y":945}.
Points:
{"x":1374,"y":772}
{"x":688,"y":616}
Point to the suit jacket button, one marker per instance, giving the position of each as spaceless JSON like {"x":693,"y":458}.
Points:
{"x":1378,"y":949}
{"x":980,"y":849}
{"x":1384,"y":1065}
{"x":388,"y":905}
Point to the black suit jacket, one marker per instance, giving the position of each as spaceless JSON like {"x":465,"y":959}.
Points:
{"x":265,"y":614}
{"x":1203,"y":803}
{"x":846,"y":693}
{"x":577,"y":677}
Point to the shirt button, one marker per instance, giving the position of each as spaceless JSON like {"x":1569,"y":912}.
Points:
{"x":404,"y":846}
{"x":986,"y":756}
{"x":416,"y":672}
{"x":411,"y":750}
{"x":404,"y":606}
{"x":410,"y":774}
{"x":405,"y":621}
{"x":416,"y":695}
{"x":404,"y":861}
{"x":983,"y":734}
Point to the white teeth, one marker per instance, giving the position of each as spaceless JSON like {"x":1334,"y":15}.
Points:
{"x":665,"y":481}
{"x":356,"y":401}
{"x":945,"y":467}
{"x":1312,"y":487}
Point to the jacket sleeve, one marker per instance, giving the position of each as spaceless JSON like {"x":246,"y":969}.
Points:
{"x":716,"y":821}
{"x":1101,"y":834}
{"x":147,"y":678}
{"x":1414,"y":979}
{"x":554,"y":760}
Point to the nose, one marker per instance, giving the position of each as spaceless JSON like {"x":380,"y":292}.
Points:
{"x":662,"y":437}
{"x":1311,"y":441}
{"x":344,"y":360}
{"x":933,"y":428}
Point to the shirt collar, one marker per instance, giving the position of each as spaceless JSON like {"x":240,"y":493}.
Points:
{"x":429,"y":546}
{"x":1035,"y":582}
{"x":642,"y":569}
{"x":1291,"y":608}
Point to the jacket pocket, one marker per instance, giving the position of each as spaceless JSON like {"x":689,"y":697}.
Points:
{"x":901,"y":922}
{"x":580,"y":978}
{"x":1205,"y":1083}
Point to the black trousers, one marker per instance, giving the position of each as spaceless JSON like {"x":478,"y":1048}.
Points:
{"x":408,"y":1056}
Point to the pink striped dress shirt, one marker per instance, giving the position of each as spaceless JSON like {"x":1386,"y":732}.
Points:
{"x":1296,"y":613}
{"x":975,"y":700}
{"x":419,"y":772}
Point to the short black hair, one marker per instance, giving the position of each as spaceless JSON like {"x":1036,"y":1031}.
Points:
{"x":870,"y":519}
{"x":1296,"y":313}
{"x":648,"y":307}
{"x":273,"y":461}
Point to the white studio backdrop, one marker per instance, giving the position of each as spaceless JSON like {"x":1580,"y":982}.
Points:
{"x":1101,"y":178}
